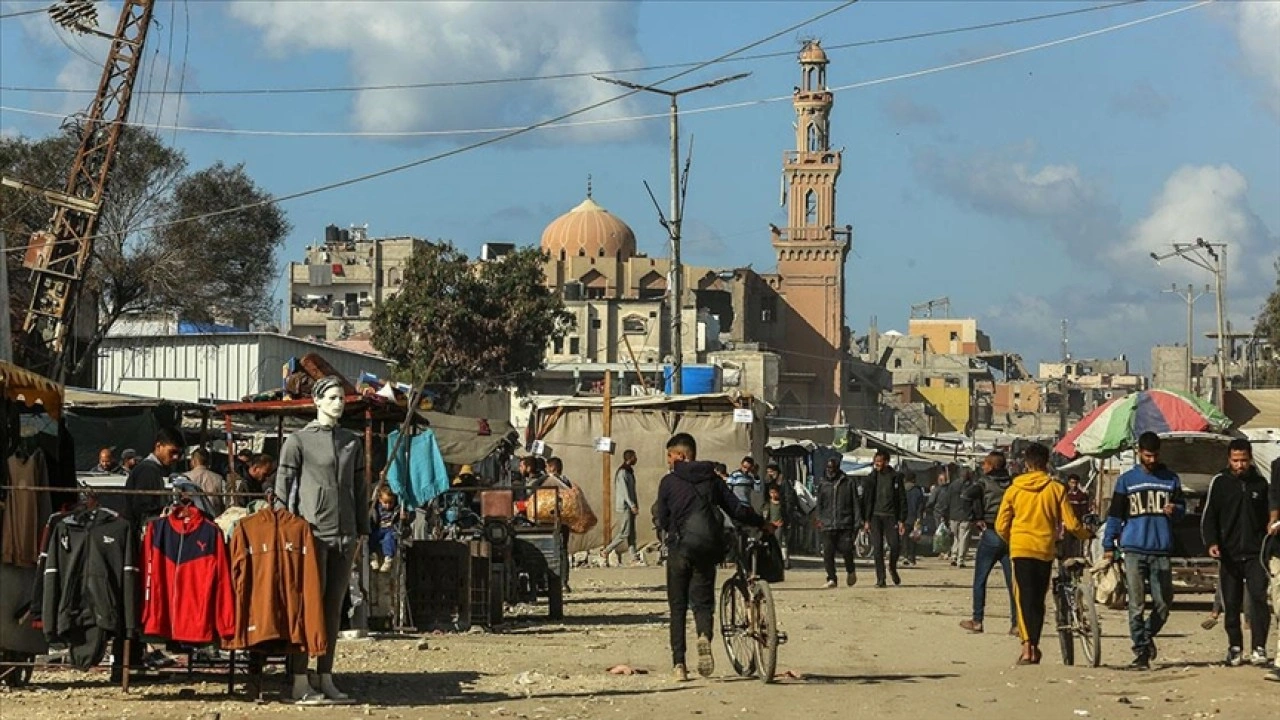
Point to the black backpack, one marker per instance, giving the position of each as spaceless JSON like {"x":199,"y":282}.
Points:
{"x":701,"y":538}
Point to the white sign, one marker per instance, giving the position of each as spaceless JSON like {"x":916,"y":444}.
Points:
{"x":605,"y":445}
{"x":541,"y":449}
{"x":744,"y":415}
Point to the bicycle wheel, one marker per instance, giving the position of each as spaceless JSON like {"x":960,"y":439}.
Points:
{"x":735,"y":627}
{"x":766,"y":631}
{"x":1086,"y":621}
{"x":1062,"y":617}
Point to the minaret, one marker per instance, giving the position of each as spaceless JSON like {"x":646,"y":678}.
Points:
{"x":811,"y":250}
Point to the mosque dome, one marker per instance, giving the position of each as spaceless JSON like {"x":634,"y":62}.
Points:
{"x":589,"y":230}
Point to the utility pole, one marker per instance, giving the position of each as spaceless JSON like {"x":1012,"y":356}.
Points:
{"x":1190,"y":296}
{"x":59,"y":258}
{"x":676,"y":217}
{"x":1063,"y":392}
{"x":1209,"y":256}
{"x":6,"y":333}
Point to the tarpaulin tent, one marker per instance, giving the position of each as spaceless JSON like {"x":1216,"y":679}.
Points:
{"x":570,"y":425}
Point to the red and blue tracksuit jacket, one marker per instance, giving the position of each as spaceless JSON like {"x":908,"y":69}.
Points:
{"x":187,"y":580}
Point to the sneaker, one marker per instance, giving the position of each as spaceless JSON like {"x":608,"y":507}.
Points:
{"x":1235,"y":657}
{"x":893,"y":575}
{"x":680,"y":674}
{"x":1274,"y":675}
{"x":1151,"y":649}
{"x":830,"y":585}
{"x":1259,"y":657}
{"x":375,"y":563}
{"x":1141,"y":661}
{"x":706,"y":661}
{"x":972,"y":626}
{"x":881,"y":584}
{"x":386,"y":565}
{"x":851,"y":579}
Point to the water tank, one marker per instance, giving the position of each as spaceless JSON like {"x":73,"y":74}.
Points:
{"x":697,"y":379}
{"x":331,"y":235}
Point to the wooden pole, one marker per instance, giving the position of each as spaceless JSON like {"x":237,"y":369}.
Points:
{"x":607,"y":463}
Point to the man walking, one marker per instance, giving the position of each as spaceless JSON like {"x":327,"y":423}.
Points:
{"x":690,"y":500}
{"x":938,"y":503}
{"x":887,"y":520}
{"x":987,"y":494}
{"x":743,"y":481}
{"x":1032,"y":510}
{"x":839,"y":514}
{"x":1146,"y":503}
{"x":961,"y":513}
{"x":1233,"y":525}
{"x":625,"y":508}
{"x":915,"y":517}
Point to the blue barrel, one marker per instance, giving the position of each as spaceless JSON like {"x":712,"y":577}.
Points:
{"x":698,"y":379}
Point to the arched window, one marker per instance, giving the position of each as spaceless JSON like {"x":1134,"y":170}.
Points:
{"x":810,"y":207}
{"x":814,"y":139}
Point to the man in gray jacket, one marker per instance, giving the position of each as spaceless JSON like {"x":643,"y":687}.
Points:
{"x":961,"y":515}
{"x":987,"y":494}
{"x":625,"y":508}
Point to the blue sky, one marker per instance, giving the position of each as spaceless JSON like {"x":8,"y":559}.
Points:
{"x":1027,"y":189}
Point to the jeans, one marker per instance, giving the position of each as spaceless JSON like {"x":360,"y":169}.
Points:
{"x":1031,"y":586}
{"x":991,"y":550}
{"x":834,"y":541}
{"x":384,"y":540}
{"x":884,"y":528}
{"x":1236,"y":576}
{"x":1155,"y":572}
{"x":335,"y":558}
{"x":689,"y":585}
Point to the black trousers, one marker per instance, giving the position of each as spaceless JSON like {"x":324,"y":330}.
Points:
{"x":841,"y":541}
{"x":689,"y":585}
{"x":1031,"y":580}
{"x":885,"y":528}
{"x":1236,"y":577}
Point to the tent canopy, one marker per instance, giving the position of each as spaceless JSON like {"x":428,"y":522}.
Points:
{"x":31,"y":389}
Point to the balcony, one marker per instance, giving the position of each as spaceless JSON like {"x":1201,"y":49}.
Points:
{"x":799,"y":159}
{"x":815,"y":235}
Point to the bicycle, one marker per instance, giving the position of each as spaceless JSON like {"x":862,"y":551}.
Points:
{"x":748,"y":621}
{"x":1076,"y":608}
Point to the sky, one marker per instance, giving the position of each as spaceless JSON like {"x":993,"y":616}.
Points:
{"x":1025,"y":171}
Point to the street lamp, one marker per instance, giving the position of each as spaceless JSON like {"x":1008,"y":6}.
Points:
{"x":1209,"y":256}
{"x":673,"y":225}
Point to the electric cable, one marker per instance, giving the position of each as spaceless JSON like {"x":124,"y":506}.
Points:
{"x":617,"y":71}
{"x":20,"y":13}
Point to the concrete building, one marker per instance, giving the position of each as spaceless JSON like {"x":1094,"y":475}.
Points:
{"x":333,"y":291}
{"x":950,"y":336}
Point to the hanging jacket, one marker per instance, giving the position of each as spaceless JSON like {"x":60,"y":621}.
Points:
{"x":1136,"y":520}
{"x":24,"y":510}
{"x":426,"y":476}
{"x":1235,"y":515}
{"x":1033,"y":508}
{"x":275,"y":582}
{"x":186,"y":579}
{"x":90,"y":576}
{"x":321,"y":479}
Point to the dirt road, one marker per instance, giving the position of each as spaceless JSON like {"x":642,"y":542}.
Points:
{"x":891,"y":653}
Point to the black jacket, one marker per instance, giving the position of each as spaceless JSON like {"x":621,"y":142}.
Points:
{"x":678,"y":498}
{"x":148,"y":474}
{"x":985,"y":495}
{"x":90,"y":576}
{"x":838,"y":504}
{"x":1235,"y":515}
{"x":915,"y":504}
{"x":870,"y":499}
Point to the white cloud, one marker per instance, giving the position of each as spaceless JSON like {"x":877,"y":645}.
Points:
{"x":408,"y":42}
{"x":1209,"y":202}
{"x":1257,"y":27}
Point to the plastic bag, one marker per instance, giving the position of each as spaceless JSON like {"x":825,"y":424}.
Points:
{"x":1109,"y":585}
{"x":942,"y":540}
{"x":862,"y":545}
{"x":805,"y":498}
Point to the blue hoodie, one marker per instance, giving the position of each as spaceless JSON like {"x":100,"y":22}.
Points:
{"x":1137,"y":518}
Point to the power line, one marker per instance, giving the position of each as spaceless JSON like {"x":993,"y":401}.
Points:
{"x":619,"y":71}
{"x":20,"y":13}
{"x":486,"y":142}
{"x":552,"y":124}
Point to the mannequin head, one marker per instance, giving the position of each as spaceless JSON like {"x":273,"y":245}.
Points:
{"x":329,"y":399}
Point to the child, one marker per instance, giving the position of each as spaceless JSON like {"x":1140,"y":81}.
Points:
{"x":384,"y":536}
{"x":774,"y":515}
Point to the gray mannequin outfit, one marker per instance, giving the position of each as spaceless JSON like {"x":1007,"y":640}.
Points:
{"x":321,"y":479}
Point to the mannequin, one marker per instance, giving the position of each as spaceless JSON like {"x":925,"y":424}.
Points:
{"x":321,"y":479}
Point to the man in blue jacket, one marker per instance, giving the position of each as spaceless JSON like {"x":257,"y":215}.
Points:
{"x":1146,"y":503}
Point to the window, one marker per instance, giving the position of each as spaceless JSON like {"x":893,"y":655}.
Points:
{"x":574,"y":346}
{"x":595,"y":293}
{"x":769,"y":309}
{"x":595,"y":323}
{"x":557,"y":346}
{"x":955,"y":335}
{"x":810,"y":207}
{"x":634,"y":325}
{"x":897,"y":363}
{"x":814,"y":138}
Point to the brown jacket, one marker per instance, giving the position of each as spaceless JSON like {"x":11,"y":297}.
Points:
{"x":25,"y":513}
{"x":275,"y":577}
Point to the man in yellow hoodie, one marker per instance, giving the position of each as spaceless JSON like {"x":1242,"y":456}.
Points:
{"x":1032,"y":510}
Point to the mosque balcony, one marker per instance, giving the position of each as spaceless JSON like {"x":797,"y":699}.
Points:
{"x":804,"y":158}
{"x":814,"y":235}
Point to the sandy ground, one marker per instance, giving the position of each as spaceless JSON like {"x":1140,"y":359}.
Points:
{"x":891,"y":653}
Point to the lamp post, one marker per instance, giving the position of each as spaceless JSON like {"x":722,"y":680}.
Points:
{"x":1209,"y":256}
{"x":673,"y":225}
{"x":1190,"y":296}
